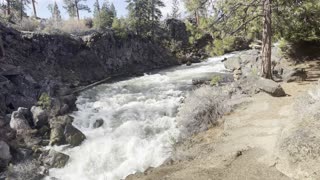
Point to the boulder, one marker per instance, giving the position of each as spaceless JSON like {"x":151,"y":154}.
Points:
{"x":55,"y":159}
{"x":57,"y":135}
{"x":18,"y":120}
{"x":255,"y":84}
{"x":62,"y":132}
{"x":294,"y":75}
{"x":270,"y":87}
{"x":5,"y":155}
{"x":73,"y":136}
{"x":98,"y":123}
{"x":40,"y":116}
{"x":232,"y":63}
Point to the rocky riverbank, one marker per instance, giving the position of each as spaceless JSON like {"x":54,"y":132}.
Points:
{"x":241,"y":132}
{"x":38,"y":74}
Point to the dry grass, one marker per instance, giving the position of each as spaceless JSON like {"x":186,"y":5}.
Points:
{"x":201,"y":110}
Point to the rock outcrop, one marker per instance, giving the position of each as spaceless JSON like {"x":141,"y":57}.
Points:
{"x":37,"y":63}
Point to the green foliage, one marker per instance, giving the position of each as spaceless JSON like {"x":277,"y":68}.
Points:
{"x":55,"y":14}
{"x":215,"y":80}
{"x":120,"y":27}
{"x":74,"y":6}
{"x":297,"y":20}
{"x":44,"y":101}
{"x":144,"y":15}
{"x":104,"y":16}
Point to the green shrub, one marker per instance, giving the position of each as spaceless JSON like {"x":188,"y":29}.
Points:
{"x":215,"y":80}
{"x":44,"y":101}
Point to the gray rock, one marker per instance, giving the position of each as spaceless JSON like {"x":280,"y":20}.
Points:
{"x":233,"y":63}
{"x":18,"y":120}
{"x":255,"y":84}
{"x":62,"y":132}
{"x":73,"y":136}
{"x":5,"y":155}
{"x":271,"y":87}
{"x":295,"y":75}
{"x":40,"y":116}
{"x":5,"y":151}
{"x":98,"y":123}
{"x":55,"y":159}
{"x":57,"y":134}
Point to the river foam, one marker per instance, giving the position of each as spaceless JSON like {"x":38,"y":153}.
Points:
{"x":139,"y":123}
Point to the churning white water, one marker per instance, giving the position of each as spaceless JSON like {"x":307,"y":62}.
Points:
{"x":139,"y":123}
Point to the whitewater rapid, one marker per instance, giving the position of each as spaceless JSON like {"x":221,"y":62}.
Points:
{"x":139,"y":123}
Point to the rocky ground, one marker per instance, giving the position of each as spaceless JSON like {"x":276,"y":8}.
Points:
{"x":265,"y":137}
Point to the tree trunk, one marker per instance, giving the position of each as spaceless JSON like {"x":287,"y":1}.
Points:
{"x":266,"y":40}
{"x":21,"y":10}
{"x":34,"y":8}
{"x":77,"y":11}
{"x":8,"y":7}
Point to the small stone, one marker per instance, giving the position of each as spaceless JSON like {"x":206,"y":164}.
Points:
{"x":98,"y":123}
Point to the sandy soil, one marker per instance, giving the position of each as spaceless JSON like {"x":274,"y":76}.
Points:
{"x":244,"y":146}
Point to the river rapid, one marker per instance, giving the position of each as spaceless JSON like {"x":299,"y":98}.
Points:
{"x":139,"y":123}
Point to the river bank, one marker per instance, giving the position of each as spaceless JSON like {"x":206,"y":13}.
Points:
{"x":261,"y":139}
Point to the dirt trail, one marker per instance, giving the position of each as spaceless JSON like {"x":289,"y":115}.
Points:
{"x":244,"y":146}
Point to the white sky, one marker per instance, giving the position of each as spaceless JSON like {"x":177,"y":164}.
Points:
{"x":120,"y":5}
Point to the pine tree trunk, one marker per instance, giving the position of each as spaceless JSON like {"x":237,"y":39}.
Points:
{"x":21,"y":10}
{"x":8,"y":7}
{"x":266,"y":40}
{"x":77,"y":10}
{"x":34,"y":8}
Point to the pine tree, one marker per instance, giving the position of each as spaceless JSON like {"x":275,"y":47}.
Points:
{"x":175,"y":9}
{"x":96,"y":14}
{"x":74,"y":6}
{"x":55,"y":13}
{"x":104,"y":16}
{"x":113,"y":10}
{"x":144,"y":15}
{"x":34,"y":8}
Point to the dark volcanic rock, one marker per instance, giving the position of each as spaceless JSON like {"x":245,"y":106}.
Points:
{"x":5,"y":155}
{"x":46,"y":63}
{"x":73,"y":136}
{"x":54,"y":159}
{"x":98,"y":123}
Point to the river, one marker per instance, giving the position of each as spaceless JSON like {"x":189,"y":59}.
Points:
{"x":139,"y":123}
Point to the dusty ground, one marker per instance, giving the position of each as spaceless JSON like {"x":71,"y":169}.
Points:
{"x":244,"y":146}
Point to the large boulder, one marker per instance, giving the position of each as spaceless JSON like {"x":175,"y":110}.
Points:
{"x":40,"y":116}
{"x":294,"y":75}
{"x":54,"y":159}
{"x":255,"y":84}
{"x":18,"y":120}
{"x":63,"y":132}
{"x":270,"y":87}
{"x":5,"y":155}
{"x":73,"y":136}
{"x":232,"y":63}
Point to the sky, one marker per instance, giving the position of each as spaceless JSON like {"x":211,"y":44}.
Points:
{"x":120,"y":5}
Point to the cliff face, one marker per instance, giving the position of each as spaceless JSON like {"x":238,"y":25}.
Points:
{"x":36,"y":63}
